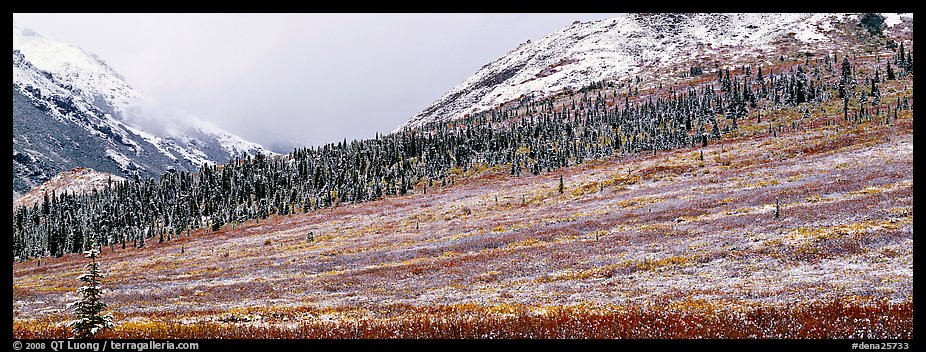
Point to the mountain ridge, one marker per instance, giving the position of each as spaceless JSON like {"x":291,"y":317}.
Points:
{"x":624,"y":47}
{"x":70,"y":109}
{"x":77,"y":180}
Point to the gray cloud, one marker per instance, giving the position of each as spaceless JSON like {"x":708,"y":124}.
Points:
{"x":298,"y":79}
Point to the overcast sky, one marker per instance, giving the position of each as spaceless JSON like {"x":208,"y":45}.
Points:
{"x":298,"y":79}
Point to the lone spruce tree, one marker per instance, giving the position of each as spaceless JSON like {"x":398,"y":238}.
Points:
{"x":89,"y":309}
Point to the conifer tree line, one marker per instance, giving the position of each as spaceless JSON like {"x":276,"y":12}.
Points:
{"x":530,"y":136}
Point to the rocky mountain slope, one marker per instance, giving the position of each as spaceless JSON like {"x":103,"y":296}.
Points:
{"x":72,"y":110}
{"x":633,"y":45}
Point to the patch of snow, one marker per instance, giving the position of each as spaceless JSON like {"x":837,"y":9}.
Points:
{"x":891,"y":19}
{"x":120,"y":159}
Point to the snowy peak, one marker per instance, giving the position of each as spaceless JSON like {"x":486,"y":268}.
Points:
{"x":84,"y":74}
{"x":70,"y":110}
{"x":613,"y":49}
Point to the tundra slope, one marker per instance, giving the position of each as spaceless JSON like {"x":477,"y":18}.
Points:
{"x":77,"y":180}
{"x":664,"y":231}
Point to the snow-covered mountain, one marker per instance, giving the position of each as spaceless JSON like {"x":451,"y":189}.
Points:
{"x":631,"y":45}
{"x":72,"y":110}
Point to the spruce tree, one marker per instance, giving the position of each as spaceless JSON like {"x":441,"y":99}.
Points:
{"x":89,"y":309}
